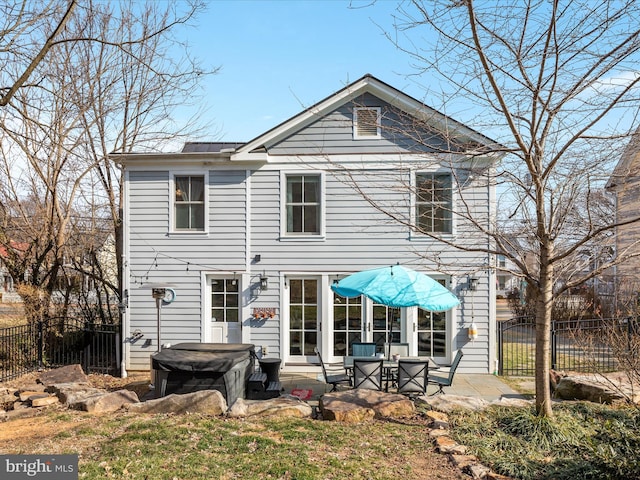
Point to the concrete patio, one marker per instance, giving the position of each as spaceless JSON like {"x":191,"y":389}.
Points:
{"x":487,"y":387}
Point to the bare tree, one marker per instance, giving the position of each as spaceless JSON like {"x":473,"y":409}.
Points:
{"x":112,"y":81}
{"x":556,"y":85}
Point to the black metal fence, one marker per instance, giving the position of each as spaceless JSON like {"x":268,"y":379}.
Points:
{"x":585,"y":345}
{"x":58,"y":342}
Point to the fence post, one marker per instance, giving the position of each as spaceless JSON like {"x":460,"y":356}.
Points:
{"x":40,"y":344}
{"x":500,"y":349}
{"x":554,"y":346}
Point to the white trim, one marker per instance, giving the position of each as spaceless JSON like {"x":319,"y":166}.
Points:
{"x":207,"y":196}
{"x":378,"y":134}
{"x":284,"y":235}
{"x":243,"y":308}
{"x":248,"y":223}
{"x":125,"y":334}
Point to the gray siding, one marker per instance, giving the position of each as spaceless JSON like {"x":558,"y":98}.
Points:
{"x":158,"y":256}
{"x":357,"y":235}
{"x":333,"y":134}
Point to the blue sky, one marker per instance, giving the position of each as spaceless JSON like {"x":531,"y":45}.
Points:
{"x":279,"y":57}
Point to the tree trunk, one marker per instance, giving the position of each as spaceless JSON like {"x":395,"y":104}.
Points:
{"x":543,"y":334}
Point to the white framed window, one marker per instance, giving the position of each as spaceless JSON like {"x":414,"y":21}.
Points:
{"x":189,"y":205}
{"x":433,"y":202}
{"x":303,"y":205}
{"x":366,"y":122}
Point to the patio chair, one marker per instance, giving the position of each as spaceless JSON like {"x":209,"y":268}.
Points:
{"x":412,"y":376}
{"x":363,"y":349}
{"x":367,"y":373}
{"x":333,"y":379}
{"x":442,"y":382}
{"x":391,"y":349}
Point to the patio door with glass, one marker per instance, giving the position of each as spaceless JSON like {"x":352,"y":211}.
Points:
{"x":432,"y":335}
{"x":351,"y":324}
{"x":225,"y":311}
{"x":304,"y":319}
{"x":387,"y":326}
{"x":348,"y":324}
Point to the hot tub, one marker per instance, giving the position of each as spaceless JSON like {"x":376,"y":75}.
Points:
{"x":188,"y":367}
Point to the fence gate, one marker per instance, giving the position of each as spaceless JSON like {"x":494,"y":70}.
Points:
{"x":57,"y":342}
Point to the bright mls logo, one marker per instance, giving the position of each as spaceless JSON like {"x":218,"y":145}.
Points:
{"x":50,"y":467}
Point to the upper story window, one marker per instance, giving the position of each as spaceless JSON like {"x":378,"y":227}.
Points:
{"x":366,"y":122}
{"x":502,"y":261}
{"x":433,"y":202}
{"x":303,"y":205}
{"x":189,"y":202}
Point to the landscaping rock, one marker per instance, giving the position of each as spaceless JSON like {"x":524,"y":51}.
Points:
{"x":34,"y":387}
{"x":437,"y":416}
{"x":446,"y":444}
{"x":73,"y":393}
{"x":585,"y":388}
{"x":360,"y":405}
{"x":44,"y":401}
{"x":284,"y":406}
{"x":7,"y":400}
{"x":512,"y":402}
{"x":211,"y":402}
{"x":28,"y":395}
{"x":106,"y":402}
{"x":449,"y":403}
{"x":68,"y":374}
{"x":461,"y":461}
{"x":476,"y":470}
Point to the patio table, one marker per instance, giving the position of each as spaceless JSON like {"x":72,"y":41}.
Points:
{"x":388,"y":365}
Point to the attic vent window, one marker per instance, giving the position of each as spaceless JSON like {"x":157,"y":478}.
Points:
{"x":366,"y":122}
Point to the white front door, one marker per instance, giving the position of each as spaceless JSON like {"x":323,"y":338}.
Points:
{"x":225,"y":311}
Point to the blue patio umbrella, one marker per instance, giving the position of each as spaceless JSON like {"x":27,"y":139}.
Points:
{"x":397,"y":286}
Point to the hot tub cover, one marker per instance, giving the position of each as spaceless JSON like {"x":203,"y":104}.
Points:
{"x":202,"y":357}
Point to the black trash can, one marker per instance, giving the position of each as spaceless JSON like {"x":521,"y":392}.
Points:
{"x":271,"y":367}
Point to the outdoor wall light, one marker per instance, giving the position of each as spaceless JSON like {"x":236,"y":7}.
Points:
{"x":264,"y":282}
{"x":472,"y":283}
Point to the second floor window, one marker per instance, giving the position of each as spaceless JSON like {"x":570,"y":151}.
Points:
{"x":303,"y":204}
{"x":433,"y":202}
{"x":189,"y":202}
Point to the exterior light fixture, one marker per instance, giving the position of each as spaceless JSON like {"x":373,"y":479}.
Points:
{"x":264,"y":282}
{"x":472,"y":283}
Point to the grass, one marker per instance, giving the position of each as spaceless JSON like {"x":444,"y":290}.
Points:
{"x":205,"y":447}
{"x":583,"y":440}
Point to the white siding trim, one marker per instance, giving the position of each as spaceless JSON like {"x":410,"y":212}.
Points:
{"x":205,"y":294}
{"x":248,"y":223}
{"x":125,"y":335}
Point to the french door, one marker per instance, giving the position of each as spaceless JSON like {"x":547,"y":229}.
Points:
{"x":304,"y":318}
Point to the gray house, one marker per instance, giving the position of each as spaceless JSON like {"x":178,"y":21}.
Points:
{"x":250,"y":237}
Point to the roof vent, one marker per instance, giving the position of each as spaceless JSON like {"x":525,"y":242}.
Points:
{"x":366,"y":122}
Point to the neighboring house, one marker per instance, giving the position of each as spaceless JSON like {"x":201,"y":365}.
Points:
{"x":624,"y":183}
{"x":251,"y":236}
{"x":8,"y":293}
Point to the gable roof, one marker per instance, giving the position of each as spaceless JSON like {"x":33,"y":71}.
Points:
{"x":624,"y":166}
{"x":380,"y":89}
